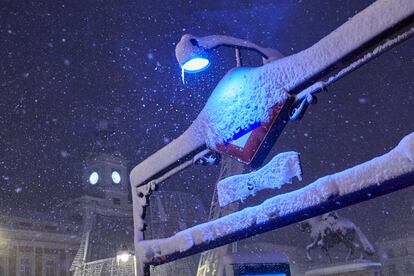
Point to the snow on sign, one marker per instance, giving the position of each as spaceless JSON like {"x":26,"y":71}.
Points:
{"x":252,"y":145}
{"x":279,"y":171}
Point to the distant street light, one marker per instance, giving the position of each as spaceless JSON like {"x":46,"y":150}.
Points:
{"x":123,"y":255}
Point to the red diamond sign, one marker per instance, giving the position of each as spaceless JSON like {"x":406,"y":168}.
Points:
{"x":252,"y":145}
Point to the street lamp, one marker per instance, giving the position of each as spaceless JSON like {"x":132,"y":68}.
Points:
{"x":193,"y":55}
{"x":192,"y":52}
{"x":123,"y":255}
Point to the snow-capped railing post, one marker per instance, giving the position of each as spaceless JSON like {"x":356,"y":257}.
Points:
{"x":140,"y":199}
{"x":140,"y":202}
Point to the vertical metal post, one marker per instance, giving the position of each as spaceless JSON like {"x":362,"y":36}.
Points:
{"x":140,"y":199}
{"x":238,"y":57}
{"x":209,"y":260}
{"x":139,"y":210}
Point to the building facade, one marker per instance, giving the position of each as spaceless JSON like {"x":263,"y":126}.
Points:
{"x":36,"y":246}
{"x":84,"y":235}
{"x":48,"y":244}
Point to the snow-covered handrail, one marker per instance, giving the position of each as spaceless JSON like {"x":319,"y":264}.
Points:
{"x":246,"y":95}
{"x":381,"y":175}
{"x":278,"y":172}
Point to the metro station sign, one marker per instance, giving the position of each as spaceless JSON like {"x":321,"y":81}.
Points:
{"x":252,"y":145}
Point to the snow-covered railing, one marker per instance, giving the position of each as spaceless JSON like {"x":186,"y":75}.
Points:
{"x":390,"y":172}
{"x":279,"y":171}
{"x":226,"y":112}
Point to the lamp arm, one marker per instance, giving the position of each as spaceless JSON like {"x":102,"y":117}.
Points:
{"x":214,"y":41}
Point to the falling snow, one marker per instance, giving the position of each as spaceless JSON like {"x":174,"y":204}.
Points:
{"x":67,"y":66}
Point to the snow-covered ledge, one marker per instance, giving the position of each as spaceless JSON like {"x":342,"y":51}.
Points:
{"x":381,"y":175}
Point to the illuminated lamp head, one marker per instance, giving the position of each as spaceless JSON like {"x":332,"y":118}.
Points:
{"x":196,"y":64}
{"x":190,"y":55}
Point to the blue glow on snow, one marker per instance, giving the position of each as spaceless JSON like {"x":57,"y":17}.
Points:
{"x":195,"y":65}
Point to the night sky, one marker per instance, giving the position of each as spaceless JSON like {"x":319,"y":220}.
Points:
{"x":65,"y":65}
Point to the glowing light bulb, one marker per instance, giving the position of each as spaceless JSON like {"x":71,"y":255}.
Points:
{"x":195,"y":65}
{"x":123,"y":257}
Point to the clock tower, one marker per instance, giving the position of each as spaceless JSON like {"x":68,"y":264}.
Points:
{"x":105,"y":175}
{"x":105,"y":171}
{"x":103,"y":209}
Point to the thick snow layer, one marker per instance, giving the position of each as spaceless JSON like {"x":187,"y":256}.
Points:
{"x":279,"y":171}
{"x":397,"y":162}
{"x":246,"y":95}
